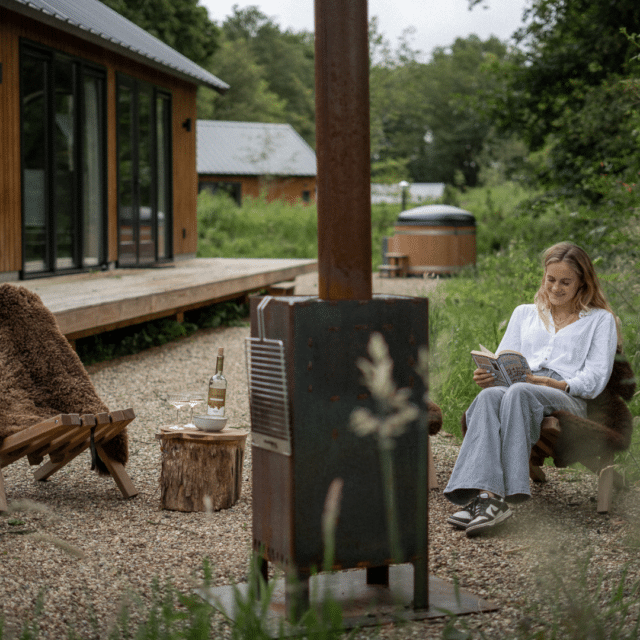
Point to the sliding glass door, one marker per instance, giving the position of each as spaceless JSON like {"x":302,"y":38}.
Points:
{"x":144,"y":178}
{"x":63,"y":162}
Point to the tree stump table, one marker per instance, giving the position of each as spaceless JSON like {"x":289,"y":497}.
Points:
{"x":201,"y":470}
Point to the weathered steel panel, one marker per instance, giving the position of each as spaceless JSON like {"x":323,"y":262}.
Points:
{"x":323,"y":341}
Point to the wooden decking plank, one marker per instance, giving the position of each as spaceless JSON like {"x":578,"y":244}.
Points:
{"x":85,"y":304}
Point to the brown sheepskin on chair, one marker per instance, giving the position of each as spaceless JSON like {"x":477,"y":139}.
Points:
{"x":434,"y":419}
{"x":608,"y":425}
{"x":41,"y":376}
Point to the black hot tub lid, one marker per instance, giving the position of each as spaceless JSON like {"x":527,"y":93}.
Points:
{"x":436,"y":215}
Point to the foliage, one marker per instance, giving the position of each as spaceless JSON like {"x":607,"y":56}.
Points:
{"x":257,"y":229}
{"x":182,"y":24}
{"x":170,"y":615}
{"x":271,"y":73}
{"x":561,"y":90}
{"x":249,"y":98}
{"x":136,"y":338}
{"x":458,"y":129}
{"x":278,"y":229}
{"x":566,"y":47}
{"x":423,"y":116}
{"x":600,"y":138}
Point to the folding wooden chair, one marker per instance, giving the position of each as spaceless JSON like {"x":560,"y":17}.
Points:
{"x":48,"y":404}
{"x":62,"y":438}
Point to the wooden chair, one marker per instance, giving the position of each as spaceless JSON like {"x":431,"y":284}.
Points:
{"x":62,"y":438}
{"x":591,"y":441}
{"x":602,"y":465}
{"x":48,"y":404}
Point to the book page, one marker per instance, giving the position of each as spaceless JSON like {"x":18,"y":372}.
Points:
{"x":515,"y":366}
{"x":490,"y":364}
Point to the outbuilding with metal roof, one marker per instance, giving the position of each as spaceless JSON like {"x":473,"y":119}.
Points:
{"x":253,"y":158}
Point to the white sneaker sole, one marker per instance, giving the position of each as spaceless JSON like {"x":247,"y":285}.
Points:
{"x":458,"y":524}
{"x":489,"y":524}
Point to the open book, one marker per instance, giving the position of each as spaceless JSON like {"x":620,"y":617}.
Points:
{"x":508,"y":366}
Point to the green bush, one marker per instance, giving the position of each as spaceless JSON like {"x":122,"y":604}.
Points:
{"x":138,"y":337}
{"x":257,"y":229}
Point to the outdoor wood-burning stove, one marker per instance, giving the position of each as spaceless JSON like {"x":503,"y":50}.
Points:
{"x":304,"y":384}
{"x":309,"y":347}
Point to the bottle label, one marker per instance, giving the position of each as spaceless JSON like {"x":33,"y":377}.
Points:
{"x":216,"y":402}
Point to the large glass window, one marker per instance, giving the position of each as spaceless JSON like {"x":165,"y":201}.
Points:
{"x":34,"y":73}
{"x":93,"y":171}
{"x":144,"y":173}
{"x":63,"y":162}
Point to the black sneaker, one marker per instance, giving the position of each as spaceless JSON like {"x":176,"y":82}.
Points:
{"x":460,"y":519}
{"x":488,"y":512}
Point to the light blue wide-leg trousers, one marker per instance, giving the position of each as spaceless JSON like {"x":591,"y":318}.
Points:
{"x":503,"y":424}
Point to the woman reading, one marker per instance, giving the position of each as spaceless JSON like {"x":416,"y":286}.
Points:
{"x":569,"y":337}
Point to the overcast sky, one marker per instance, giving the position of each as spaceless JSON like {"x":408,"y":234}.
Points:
{"x":437,"y":23}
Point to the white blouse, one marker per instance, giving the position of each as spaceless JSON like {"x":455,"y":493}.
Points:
{"x":582,"y":352}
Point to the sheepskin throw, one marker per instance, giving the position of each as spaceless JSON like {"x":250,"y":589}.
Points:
{"x":41,"y":376}
{"x":607,"y":427}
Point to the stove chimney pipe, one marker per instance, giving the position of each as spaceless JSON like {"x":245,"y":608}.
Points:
{"x":343,"y":149}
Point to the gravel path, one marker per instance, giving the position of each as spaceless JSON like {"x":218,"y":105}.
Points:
{"x":90,"y":550}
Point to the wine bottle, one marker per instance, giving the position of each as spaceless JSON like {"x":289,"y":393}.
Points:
{"x":217,"y":389}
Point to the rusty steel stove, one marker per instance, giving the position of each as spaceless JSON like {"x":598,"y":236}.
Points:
{"x":296,"y":456}
{"x":303,"y":354}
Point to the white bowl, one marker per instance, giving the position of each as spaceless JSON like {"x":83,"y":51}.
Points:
{"x":209,"y":423}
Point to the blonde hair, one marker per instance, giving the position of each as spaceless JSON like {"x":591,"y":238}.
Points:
{"x":589,"y":295}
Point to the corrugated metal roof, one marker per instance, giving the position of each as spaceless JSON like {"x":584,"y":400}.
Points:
{"x":252,"y":148}
{"x":93,"y":21}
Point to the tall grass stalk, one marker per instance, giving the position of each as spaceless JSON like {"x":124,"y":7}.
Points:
{"x":394,"y":413}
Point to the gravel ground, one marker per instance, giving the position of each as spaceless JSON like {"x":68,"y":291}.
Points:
{"x":90,"y":550}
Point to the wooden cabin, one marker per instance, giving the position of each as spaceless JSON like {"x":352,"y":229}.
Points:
{"x":255,"y":158}
{"x":98,"y":140}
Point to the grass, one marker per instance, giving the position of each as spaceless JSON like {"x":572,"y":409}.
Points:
{"x":261,"y":229}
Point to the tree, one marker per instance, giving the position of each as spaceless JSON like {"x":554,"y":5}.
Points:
{"x":182,"y":24}
{"x":287,"y":61}
{"x":424,"y":114}
{"x":458,"y":127}
{"x":249,"y":98}
{"x":562,"y":89}
{"x":397,"y":106}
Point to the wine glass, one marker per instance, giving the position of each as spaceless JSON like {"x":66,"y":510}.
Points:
{"x":178,"y":400}
{"x":195,"y":398}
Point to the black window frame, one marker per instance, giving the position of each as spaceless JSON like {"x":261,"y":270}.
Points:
{"x":81,"y":68}
{"x":135,"y":85}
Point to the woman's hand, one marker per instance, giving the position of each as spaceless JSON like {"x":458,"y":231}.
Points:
{"x":483,"y":378}
{"x":544,"y":381}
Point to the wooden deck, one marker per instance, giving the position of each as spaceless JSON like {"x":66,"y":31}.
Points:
{"x":89,"y":303}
